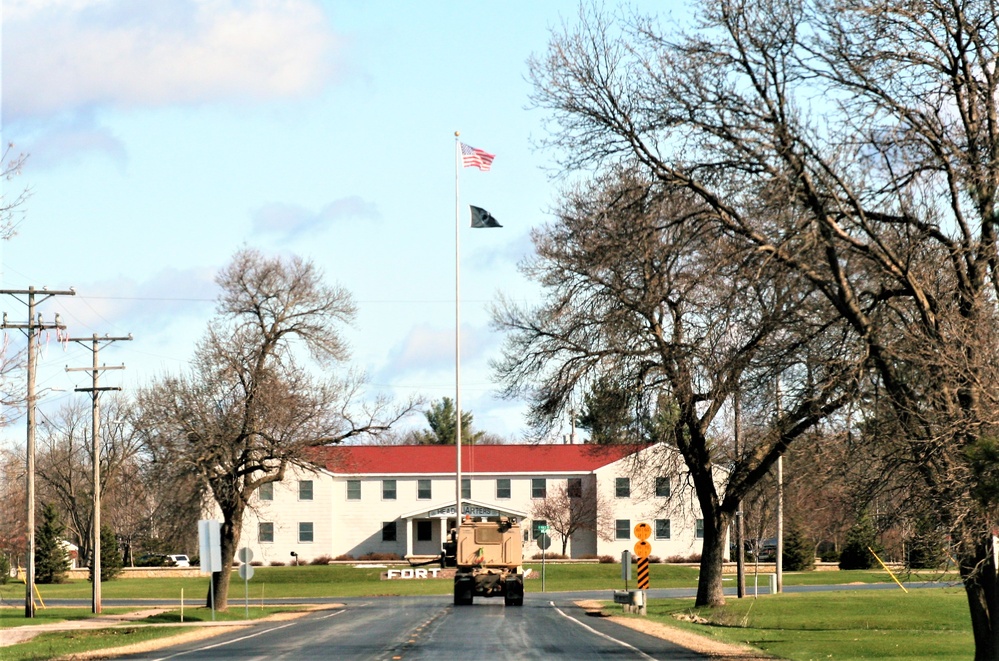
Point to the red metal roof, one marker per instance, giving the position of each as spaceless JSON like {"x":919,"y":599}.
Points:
{"x":431,"y":459}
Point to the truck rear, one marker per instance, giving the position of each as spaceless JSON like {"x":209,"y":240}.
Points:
{"x":488,"y":561}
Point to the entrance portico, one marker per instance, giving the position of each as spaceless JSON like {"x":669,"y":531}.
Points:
{"x":443,"y":516}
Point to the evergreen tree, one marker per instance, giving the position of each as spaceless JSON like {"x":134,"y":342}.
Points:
{"x":926,"y":548}
{"x":51,"y":559}
{"x":111,"y":562}
{"x":4,"y":569}
{"x":859,"y":540}
{"x":799,"y":554}
{"x":442,"y":420}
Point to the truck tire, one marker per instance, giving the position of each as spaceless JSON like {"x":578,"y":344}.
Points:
{"x":514,"y":595}
{"x":462,"y":593}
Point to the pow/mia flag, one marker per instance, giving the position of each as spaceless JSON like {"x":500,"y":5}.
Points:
{"x":482,"y":218}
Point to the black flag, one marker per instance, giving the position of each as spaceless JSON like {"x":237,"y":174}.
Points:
{"x":482,"y":218}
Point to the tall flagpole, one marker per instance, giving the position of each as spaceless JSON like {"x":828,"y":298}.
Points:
{"x":457,"y":333}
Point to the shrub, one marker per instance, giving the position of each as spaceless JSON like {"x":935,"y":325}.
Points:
{"x":321,"y":560}
{"x":346,"y":557}
{"x":607,"y":559}
{"x":859,"y":540}
{"x":152,"y":560}
{"x":830,"y":555}
{"x":549,"y":556}
{"x":589,"y":556}
{"x":926,"y":548}
{"x":798,"y":553}
{"x":111,"y":563}
{"x":256,"y":563}
{"x":655,"y":560}
{"x":684,"y":559}
{"x":367,"y":557}
{"x":277,"y":563}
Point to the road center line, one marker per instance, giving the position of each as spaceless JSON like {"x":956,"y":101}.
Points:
{"x":602,"y":635}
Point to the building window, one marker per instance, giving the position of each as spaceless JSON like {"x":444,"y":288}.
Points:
{"x":423,"y":489}
{"x":305,"y":490}
{"x":537,"y":523}
{"x":353,"y":489}
{"x":388,"y":531}
{"x":503,"y":487}
{"x":662,"y":529}
{"x":424,"y":531}
{"x":266,"y":491}
{"x":662,"y":487}
{"x":265,"y":532}
{"x":622,"y":487}
{"x":574,"y":487}
{"x":539,"y":487}
{"x":466,"y":487}
{"x":305,"y":531}
{"x":388,"y":489}
{"x":699,"y":529}
{"x":622,"y":529}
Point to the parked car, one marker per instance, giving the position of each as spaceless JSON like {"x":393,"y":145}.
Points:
{"x":179,"y":560}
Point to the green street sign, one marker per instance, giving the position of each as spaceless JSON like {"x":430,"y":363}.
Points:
{"x":542,"y":528}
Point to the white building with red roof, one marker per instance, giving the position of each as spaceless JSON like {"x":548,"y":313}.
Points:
{"x":361,"y":500}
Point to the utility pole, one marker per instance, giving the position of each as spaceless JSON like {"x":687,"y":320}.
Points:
{"x":31,"y":328}
{"x":779,"y":559}
{"x":95,"y":437}
{"x":740,"y":555}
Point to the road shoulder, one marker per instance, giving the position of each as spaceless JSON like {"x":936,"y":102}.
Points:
{"x":681,"y":637}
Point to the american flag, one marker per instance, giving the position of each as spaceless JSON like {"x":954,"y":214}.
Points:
{"x":476,"y":158}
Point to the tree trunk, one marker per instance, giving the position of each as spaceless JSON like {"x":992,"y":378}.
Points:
{"x":709,"y":583}
{"x":980,"y":585}
{"x":232,"y":523}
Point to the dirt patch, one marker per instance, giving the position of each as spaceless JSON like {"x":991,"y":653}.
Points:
{"x":691,"y":641}
{"x":201,"y":631}
{"x":152,"y":645}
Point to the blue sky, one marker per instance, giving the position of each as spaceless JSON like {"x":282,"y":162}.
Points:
{"x":164,"y":136}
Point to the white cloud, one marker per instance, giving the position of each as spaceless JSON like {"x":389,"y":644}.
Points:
{"x":69,"y":54}
{"x":122,"y":305}
{"x":292,"y":219}
{"x":75,"y":139}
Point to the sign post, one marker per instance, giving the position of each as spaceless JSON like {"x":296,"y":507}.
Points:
{"x":544,"y":541}
{"x":210,"y":549}
{"x":642,"y":551}
{"x":246,"y":573}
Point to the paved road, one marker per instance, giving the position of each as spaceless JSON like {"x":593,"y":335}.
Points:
{"x":411,"y":628}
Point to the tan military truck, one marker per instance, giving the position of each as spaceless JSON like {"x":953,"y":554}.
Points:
{"x":487,"y":557}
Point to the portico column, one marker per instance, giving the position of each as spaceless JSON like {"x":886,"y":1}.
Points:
{"x":409,"y":537}
{"x":443,"y":521}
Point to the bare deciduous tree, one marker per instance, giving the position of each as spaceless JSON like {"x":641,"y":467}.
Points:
{"x":856,"y":144}
{"x":570,"y":508}
{"x":65,"y":466}
{"x":249,"y":408}
{"x":638,"y":290}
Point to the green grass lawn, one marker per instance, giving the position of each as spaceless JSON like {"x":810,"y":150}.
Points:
{"x":63,"y":643}
{"x":349,"y":581}
{"x":854,"y":624}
